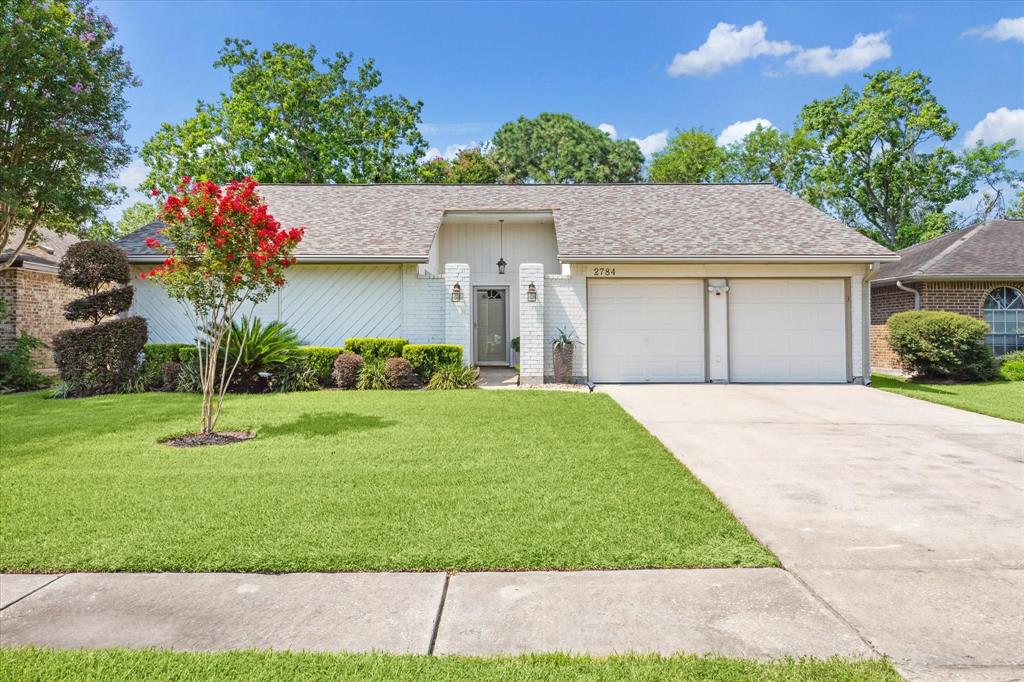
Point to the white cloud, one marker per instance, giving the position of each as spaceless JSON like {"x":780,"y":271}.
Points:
{"x":129,"y":178}
{"x":727,"y":45}
{"x":449,"y":153}
{"x":740,"y":129}
{"x":1004,"y":29}
{"x":831,"y":61}
{"x":609,"y":130}
{"x":998,"y":126}
{"x":653,"y":143}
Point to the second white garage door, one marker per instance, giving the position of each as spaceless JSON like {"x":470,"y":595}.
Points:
{"x":787,"y":330}
{"x":646,"y":330}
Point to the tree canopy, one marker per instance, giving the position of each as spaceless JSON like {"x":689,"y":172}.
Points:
{"x":557,"y":148}
{"x":470,"y":166}
{"x":62,"y":83}
{"x":291,"y":118}
{"x":883,"y":164}
{"x":691,"y":156}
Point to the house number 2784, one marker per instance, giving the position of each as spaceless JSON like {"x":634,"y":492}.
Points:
{"x":604,"y":272}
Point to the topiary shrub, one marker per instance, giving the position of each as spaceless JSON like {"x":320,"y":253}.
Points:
{"x":320,"y":359}
{"x":373,"y":376}
{"x":376,"y":349}
{"x":400,"y":373}
{"x":346,"y":369}
{"x":450,"y":377}
{"x":1012,"y":366}
{"x":942,"y":345}
{"x":425,"y":358}
{"x":103,"y":358}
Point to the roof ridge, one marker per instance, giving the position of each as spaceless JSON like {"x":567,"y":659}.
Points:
{"x":970,"y":232}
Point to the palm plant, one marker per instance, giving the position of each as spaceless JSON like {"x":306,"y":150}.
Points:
{"x":257,"y":350}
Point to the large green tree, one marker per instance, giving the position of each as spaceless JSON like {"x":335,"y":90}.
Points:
{"x":289,"y":117}
{"x":691,"y":156}
{"x":883,"y":162}
{"x":557,"y":148}
{"x":139,"y":214}
{"x":770,"y":155}
{"x":62,"y":84}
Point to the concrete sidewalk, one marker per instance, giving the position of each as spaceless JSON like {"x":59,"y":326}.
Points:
{"x":748,"y":613}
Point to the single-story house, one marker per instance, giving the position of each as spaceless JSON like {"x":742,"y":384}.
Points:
{"x":978,"y":271}
{"x":659,"y":282}
{"x":33,"y":298}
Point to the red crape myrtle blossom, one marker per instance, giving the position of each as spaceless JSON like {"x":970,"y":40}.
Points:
{"x":222,"y":250}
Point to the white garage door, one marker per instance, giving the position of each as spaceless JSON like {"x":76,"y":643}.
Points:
{"x":787,"y":330}
{"x":646,"y":330}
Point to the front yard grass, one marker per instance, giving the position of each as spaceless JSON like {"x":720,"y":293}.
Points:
{"x":1003,"y":399}
{"x":347,"y":481}
{"x":120,"y":664}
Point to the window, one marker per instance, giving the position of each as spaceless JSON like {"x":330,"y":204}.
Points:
{"x":1004,"y":312}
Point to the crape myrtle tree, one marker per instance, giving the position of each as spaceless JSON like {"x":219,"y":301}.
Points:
{"x":223,"y":250}
{"x":62,"y":105}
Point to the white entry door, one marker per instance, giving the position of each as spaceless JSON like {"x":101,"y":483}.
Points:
{"x":787,"y":330}
{"x":646,"y":330}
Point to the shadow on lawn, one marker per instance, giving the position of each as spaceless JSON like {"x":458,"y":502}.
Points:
{"x":326,"y":424}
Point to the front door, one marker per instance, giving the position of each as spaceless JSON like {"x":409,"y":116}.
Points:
{"x":491,"y":326}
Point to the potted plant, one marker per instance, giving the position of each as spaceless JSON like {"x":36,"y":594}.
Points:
{"x":561,"y":352}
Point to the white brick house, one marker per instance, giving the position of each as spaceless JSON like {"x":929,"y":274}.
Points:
{"x":660,"y":283}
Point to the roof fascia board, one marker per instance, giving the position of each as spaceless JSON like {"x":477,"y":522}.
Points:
{"x":949,"y":278}
{"x":729,"y":259}
{"x":319,"y":258}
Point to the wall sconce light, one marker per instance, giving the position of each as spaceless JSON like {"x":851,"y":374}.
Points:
{"x":531,"y":293}
{"x":456,"y":293}
{"x":501,"y":266}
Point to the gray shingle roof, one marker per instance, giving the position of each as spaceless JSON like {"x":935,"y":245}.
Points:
{"x":994,"y":249}
{"x":45,"y":252}
{"x":630,"y":221}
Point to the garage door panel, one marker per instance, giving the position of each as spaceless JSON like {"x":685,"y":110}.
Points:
{"x":787,"y":330}
{"x":646,"y":330}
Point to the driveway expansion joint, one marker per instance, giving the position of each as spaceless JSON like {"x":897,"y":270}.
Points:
{"x":440,"y":612}
{"x":31,"y":592}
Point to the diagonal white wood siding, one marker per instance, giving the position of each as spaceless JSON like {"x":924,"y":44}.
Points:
{"x":325,"y":304}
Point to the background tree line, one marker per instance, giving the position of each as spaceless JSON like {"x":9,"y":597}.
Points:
{"x":879,"y":158}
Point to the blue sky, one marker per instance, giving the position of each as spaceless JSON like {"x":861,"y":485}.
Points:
{"x":645,"y":69}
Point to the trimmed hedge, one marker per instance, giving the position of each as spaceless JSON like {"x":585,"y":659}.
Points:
{"x":376,"y":349}
{"x":427,"y":358}
{"x":320,"y":359}
{"x":98,"y":306}
{"x":188,"y":355}
{"x":159,"y":353}
{"x":942,"y":345}
{"x":101,"y":358}
{"x":1012,"y":367}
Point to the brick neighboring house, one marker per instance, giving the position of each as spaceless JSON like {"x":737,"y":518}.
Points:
{"x":33,"y":297}
{"x":978,"y":271}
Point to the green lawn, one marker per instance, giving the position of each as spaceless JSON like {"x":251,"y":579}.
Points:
{"x":119,"y":664}
{"x":344,"y":481}
{"x":996,"y":398}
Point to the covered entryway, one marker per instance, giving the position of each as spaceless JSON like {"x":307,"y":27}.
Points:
{"x":787,"y":330}
{"x":646,"y":330}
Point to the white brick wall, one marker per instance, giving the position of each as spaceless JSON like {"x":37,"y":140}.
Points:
{"x":531,"y":324}
{"x":857,"y":327}
{"x":566,"y":307}
{"x":423,"y":314}
{"x":458,"y":316}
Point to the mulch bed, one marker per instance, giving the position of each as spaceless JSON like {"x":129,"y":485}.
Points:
{"x":194,"y":440}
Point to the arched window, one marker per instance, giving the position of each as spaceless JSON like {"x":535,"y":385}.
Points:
{"x":1004,"y":312}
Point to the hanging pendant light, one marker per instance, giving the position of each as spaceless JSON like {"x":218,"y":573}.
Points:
{"x":501,"y":247}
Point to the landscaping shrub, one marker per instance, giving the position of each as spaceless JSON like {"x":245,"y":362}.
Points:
{"x":1012,"y":366}
{"x":188,"y":378}
{"x":18,"y":367}
{"x":400,"y":373}
{"x":169,"y":373}
{"x":295,"y":374}
{"x":259,"y":351}
{"x":103,"y":358}
{"x":448,"y":377}
{"x":320,"y":359}
{"x":942,"y":345}
{"x":373,"y":376}
{"x":188,"y":355}
{"x":346,"y":369}
{"x":376,"y":349}
{"x":156,"y":355}
{"x":425,"y":358}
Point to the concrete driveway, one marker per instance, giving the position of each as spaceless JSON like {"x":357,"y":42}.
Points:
{"x":905,"y":517}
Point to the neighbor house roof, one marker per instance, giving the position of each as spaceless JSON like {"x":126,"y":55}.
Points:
{"x":989,"y":250}
{"x":44,"y":252}
{"x":625,"y":221}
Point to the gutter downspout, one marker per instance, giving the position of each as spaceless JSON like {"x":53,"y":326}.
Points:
{"x":915,"y":292}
